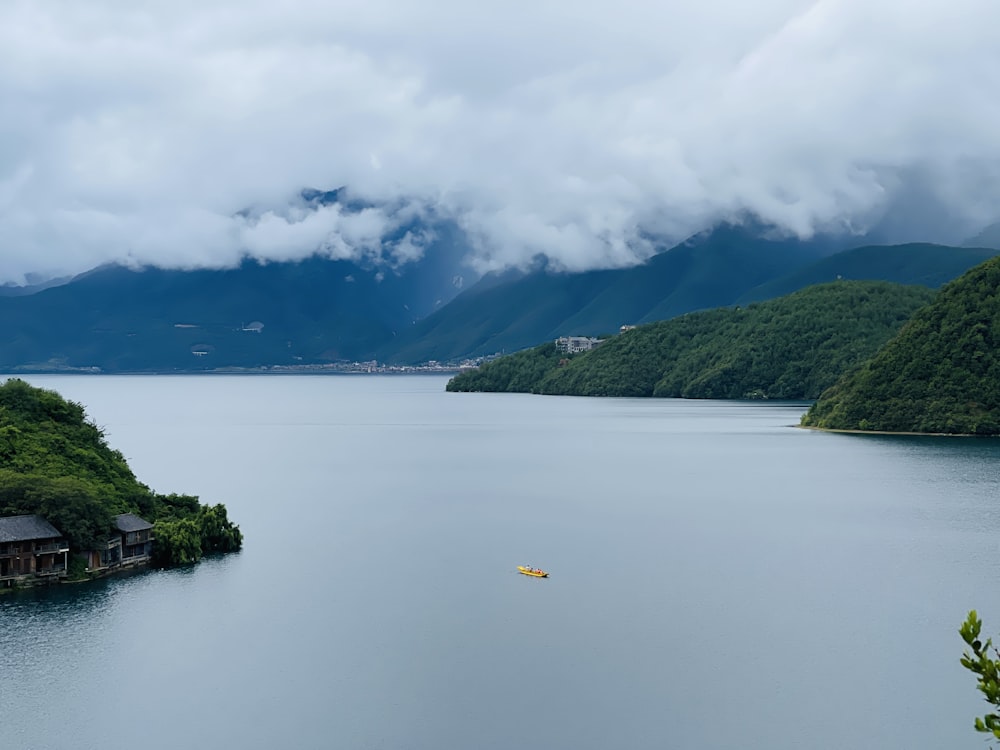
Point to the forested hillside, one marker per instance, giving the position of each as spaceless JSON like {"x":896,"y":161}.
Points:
{"x":729,"y":266}
{"x":514,"y":311}
{"x":56,"y":463}
{"x":790,"y":348}
{"x":941,"y":374}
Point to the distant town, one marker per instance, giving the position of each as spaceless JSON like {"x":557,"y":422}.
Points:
{"x":567,"y":344}
{"x":333,"y":368}
{"x":370,"y":367}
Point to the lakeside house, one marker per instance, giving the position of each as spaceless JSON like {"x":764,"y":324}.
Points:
{"x":137,"y":538}
{"x":130,"y":544}
{"x":31,"y":550}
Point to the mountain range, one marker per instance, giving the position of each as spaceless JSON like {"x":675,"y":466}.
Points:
{"x":320,"y":311}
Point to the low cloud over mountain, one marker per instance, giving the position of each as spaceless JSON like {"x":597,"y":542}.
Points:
{"x":182,"y":134}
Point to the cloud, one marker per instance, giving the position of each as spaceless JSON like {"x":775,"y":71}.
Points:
{"x":181,"y":134}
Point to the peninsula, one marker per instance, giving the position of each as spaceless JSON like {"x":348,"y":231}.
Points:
{"x":71,"y":508}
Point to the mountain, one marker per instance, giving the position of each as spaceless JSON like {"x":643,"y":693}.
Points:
{"x":728,"y":266}
{"x":439,"y":274}
{"x":515,"y":311}
{"x":940,"y":374}
{"x":319,"y":311}
{"x":913,"y":263}
{"x":32,"y":287}
{"x":988,"y":237}
{"x":497,"y":314}
{"x":704,"y":272}
{"x":312,"y":311}
{"x":787,"y":348}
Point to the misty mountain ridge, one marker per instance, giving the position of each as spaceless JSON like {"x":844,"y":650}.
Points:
{"x":400,"y":231}
{"x":988,"y":237}
{"x":318,"y":310}
{"x":414,"y":229}
{"x":314,"y":310}
{"x":732,"y":264}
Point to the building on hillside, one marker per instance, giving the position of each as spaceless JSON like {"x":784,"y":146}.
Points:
{"x":31,"y":551}
{"x":137,"y":538}
{"x":574,"y":344}
{"x":131,"y":543}
{"x":108,"y":555}
{"x":626,"y":327}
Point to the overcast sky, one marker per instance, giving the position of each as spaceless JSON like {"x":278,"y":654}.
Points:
{"x":180,"y":133}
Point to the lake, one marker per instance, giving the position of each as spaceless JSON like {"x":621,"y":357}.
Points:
{"x":719,"y":578}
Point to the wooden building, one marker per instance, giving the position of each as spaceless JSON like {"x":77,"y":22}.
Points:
{"x":31,"y":551}
{"x":136,"y":538}
{"x":131,"y":543}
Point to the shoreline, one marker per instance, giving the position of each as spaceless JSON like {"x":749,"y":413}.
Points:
{"x":401,"y":370}
{"x":898,"y":434}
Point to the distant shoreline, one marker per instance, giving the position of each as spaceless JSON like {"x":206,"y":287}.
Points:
{"x":901,"y":434}
{"x":279,"y":370}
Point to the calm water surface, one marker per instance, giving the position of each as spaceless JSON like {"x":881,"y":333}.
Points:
{"x":719,"y":579}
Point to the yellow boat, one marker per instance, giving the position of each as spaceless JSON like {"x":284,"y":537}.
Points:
{"x":532,"y":572}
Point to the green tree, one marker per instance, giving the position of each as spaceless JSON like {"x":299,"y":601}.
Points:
{"x":68,"y":503}
{"x":218,"y":533}
{"x":182,"y":539}
{"x":983,"y":660}
{"x":178,"y":542}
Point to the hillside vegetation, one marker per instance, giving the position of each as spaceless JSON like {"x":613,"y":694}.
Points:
{"x":941,"y":374}
{"x":729,"y":266}
{"x":513,"y":311}
{"x":790,"y":348}
{"x":56,"y":463}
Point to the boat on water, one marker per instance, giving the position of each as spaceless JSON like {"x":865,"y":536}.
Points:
{"x":529,"y":571}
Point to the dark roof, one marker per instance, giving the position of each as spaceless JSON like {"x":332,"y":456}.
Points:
{"x":131,"y":522}
{"x":22,"y":528}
